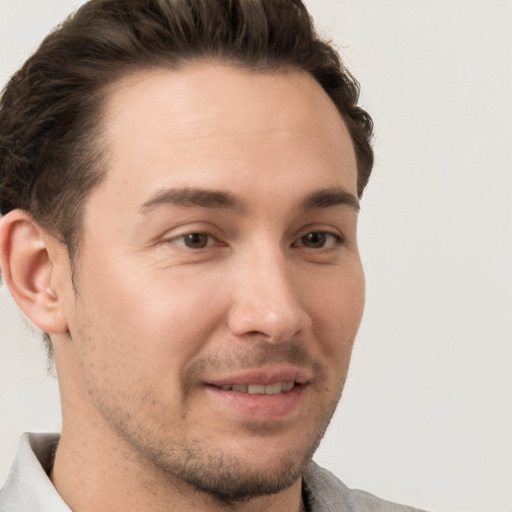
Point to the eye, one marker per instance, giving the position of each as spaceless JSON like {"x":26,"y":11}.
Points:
{"x":194,"y":240}
{"x":318,"y":240}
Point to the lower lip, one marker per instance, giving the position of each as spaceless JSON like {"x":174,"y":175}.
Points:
{"x":259,"y":407}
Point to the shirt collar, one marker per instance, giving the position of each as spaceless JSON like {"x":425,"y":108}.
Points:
{"x":28,"y":486}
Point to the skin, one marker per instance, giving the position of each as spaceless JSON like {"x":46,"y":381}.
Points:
{"x":270,"y":284}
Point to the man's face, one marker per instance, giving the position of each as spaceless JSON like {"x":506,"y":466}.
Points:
{"x":219,"y":282}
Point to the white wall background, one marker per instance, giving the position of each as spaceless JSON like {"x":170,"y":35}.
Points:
{"x":426,"y":417}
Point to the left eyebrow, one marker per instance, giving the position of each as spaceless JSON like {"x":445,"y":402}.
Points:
{"x":194,"y":197}
{"x":327,"y":197}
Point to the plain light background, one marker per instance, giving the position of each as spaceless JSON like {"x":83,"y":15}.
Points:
{"x":426,"y":417}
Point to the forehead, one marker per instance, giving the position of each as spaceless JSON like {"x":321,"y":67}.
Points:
{"x":218,"y":125}
{"x":195,"y":92}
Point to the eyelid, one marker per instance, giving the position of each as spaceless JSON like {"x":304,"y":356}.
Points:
{"x":212,"y":240}
{"x":336,"y":235}
{"x":188,"y":228}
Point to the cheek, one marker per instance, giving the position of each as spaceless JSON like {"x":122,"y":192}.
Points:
{"x":337,"y":311}
{"x":158,"y":322}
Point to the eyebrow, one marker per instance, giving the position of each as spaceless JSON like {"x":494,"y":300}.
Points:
{"x":197,"y":197}
{"x":330,"y":197}
{"x":206,"y":198}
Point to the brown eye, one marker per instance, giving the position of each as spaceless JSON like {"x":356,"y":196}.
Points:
{"x":318,"y":240}
{"x":195,"y":240}
{"x":314,"y":240}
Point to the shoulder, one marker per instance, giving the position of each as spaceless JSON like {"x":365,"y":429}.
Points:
{"x":326,"y":493}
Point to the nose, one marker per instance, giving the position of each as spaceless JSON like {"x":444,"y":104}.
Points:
{"x":267,"y":300}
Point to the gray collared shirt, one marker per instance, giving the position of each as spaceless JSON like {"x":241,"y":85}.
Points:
{"x":29,"y":489}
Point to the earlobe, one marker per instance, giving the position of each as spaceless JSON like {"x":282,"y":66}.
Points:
{"x":28,"y":270}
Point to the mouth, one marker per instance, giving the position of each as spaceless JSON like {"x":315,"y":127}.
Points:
{"x":259,"y":389}
{"x":261,"y":394}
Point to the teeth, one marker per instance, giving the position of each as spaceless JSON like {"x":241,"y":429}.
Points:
{"x":256,"y":389}
{"x":259,"y":389}
{"x":273,"y":389}
{"x":287,"y":386}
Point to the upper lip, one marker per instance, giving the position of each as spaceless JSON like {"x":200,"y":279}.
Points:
{"x":264,"y":377}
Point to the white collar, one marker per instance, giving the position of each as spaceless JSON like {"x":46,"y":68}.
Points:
{"x":28,"y":486}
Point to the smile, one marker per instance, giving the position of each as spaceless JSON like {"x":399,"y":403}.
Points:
{"x":259,"y":389}
{"x":265,"y":394}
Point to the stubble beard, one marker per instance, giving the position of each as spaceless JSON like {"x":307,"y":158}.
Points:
{"x":197,"y":464}
{"x":226,"y":477}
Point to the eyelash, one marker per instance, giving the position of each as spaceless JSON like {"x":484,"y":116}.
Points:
{"x":193,"y":234}
{"x":324,"y":236}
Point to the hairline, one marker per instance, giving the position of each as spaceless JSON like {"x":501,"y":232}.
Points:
{"x":97,"y":136}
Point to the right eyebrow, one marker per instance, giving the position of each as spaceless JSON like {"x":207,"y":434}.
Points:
{"x":194,"y":197}
{"x":328,"y":197}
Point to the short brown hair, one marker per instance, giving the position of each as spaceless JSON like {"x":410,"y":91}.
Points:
{"x":50,"y":110}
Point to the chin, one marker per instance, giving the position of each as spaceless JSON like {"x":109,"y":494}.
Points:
{"x":242,"y":469}
{"x":228,"y":479}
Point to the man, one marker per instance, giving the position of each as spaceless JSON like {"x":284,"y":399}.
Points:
{"x":179,"y":187}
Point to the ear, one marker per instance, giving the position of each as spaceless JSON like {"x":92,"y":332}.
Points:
{"x":29,"y":265}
